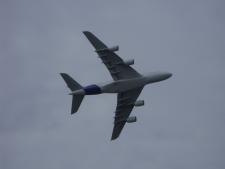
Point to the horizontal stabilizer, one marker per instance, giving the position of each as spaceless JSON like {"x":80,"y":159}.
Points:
{"x":71,"y":83}
{"x":76,"y":102}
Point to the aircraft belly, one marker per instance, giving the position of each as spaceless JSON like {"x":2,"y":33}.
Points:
{"x":123,"y":85}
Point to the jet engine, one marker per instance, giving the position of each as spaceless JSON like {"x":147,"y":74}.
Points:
{"x":113,"y":48}
{"x":131,"y":119}
{"x":129,"y":62}
{"x":139,"y":103}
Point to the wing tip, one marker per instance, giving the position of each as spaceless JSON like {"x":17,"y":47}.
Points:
{"x":63,"y":75}
{"x":73,"y":112}
{"x":86,"y":32}
{"x":114,"y":137}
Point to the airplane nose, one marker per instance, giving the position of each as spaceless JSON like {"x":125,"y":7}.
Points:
{"x":169,"y":75}
{"x":166,"y":75}
{"x":157,"y":76}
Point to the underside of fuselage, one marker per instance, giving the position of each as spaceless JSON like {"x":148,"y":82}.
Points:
{"x":121,"y":85}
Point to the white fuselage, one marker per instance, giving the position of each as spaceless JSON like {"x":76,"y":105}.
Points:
{"x":128,"y":84}
{"x":122,"y":85}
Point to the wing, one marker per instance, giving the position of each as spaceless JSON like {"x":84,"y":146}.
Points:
{"x":116,"y":66}
{"x":125,"y":104}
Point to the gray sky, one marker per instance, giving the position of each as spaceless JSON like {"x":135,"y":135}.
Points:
{"x":181,"y":125}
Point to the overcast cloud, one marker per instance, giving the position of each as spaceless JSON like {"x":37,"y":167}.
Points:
{"x":182,"y":124}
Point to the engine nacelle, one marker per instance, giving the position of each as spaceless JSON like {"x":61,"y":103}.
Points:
{"x":131,"y":119}
{"x":113,"y":48}
{"x":129,"y":62}
{"x":139,"y":103}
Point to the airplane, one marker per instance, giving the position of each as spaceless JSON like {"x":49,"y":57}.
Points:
{"x":127,"y":84}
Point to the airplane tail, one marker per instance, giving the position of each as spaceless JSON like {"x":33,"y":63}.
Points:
{"x":73,"y":86}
